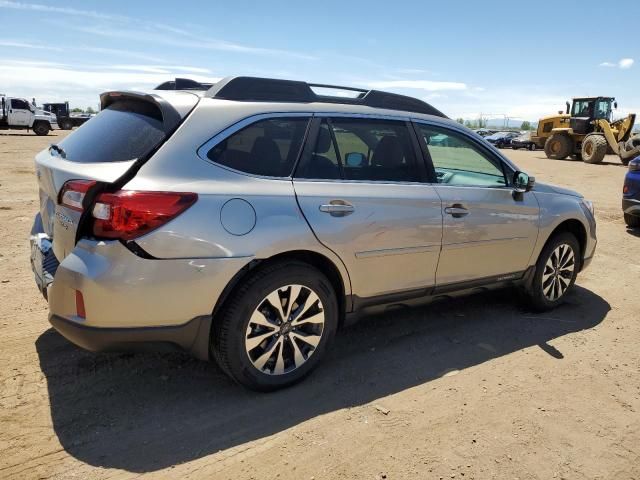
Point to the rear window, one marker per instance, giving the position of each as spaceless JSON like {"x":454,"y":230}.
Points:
{"x":126,"y":130}
{"x":267,"y":147}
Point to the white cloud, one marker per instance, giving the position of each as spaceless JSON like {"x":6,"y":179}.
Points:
{"x":33,"y":46}
{"x":36,"y":7}
{"x":427,"y":85}
{"x":624,"y":64}
{"x":48,"y":81}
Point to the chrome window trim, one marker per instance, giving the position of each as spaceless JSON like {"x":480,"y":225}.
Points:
{"x":482,"y":145}
{"x":236,"y":127}
{"x":245,"y":122}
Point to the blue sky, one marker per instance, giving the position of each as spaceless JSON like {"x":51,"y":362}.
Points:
{"x":466,"y":58}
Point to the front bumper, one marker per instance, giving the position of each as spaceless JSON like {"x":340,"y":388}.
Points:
{"x":631,"y":206}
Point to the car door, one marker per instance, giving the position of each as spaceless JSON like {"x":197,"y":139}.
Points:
{"x":19,"y":113}
{"x":488,"y":231}
{"x":361,"y":190}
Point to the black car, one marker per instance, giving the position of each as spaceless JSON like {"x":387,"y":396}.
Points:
{"x":502,"y":139}
{"x":523,"y":141}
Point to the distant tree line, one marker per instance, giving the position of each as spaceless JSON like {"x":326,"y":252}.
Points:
{"x":88,"y":110}
{"x":483,"y":122}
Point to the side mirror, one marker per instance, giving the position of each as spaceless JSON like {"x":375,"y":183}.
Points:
{"x":522,"y":182}
{"x":568,"y":107}
{"x":354,"y":159}
{"x":615,"y":105}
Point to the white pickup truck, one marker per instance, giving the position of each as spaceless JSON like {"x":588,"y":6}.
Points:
{"x":19,"y":114}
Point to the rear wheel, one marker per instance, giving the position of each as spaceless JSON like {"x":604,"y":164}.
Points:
{"x":66,"y":125}
{"x":556,"y":272}
{"x":558,"y":146}
{"x":631,"y":220}
{"x":41,"y":128}
{"x":532,"y":146}
{"x":276,"y":327}
{"x":594,"y":148}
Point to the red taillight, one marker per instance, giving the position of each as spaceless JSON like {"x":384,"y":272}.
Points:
{"x":80,"y":305}
{"x":625,"y":189}
{"x":73,"y":193}
{"x":130,"y":214}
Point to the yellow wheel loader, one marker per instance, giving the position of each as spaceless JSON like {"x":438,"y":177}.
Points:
{"x":586,"y":131}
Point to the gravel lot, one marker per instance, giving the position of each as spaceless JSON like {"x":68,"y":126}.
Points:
{"x":472,"y":388}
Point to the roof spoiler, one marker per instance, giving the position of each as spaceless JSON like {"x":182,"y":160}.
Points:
{"x":184,"y":84}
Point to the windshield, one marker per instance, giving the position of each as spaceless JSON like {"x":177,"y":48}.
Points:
{"x":126,"y":130}
{"x":603,"y":108}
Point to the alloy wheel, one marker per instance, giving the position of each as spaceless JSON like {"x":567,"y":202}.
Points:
{"x":558,"y":272}
{"x":285,"y":330}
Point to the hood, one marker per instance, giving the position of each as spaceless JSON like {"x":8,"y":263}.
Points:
{"x":548,"y":188}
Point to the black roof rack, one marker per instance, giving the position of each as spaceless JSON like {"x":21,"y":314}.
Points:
{"x":255,"y":89}
{"x":184,"y":84}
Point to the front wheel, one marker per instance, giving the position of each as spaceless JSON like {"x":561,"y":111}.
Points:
{"x":556,"y":271}
{"x":631,"y":220}
{"x":41,"y":128}
{"x":532,"y":146}
{"x":276,"y":327}
{"x":594,"y":148}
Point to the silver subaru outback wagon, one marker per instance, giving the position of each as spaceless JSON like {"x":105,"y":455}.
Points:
{"x":250,"y":219}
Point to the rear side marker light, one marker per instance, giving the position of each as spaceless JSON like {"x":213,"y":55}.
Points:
{"x":129,"y":214}
{"x":73,"y":193}
{"x":80,"y":305}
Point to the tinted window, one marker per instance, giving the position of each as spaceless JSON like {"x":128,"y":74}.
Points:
{"x":19,"y":104}
{"x":125,"y":130}
{"x":358,"y":149}
{"x":458,"y":161}
{"x":268,"y":147}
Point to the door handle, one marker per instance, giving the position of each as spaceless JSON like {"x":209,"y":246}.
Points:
{"x":337,"y":208}
{"x":456,"y":210}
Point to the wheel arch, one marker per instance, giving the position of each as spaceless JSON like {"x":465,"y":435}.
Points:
{"x":577,"y":229}
{"x":315,"y":259}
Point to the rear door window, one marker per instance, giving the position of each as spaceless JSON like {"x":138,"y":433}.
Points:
{"x":126,"y":130}
{"x":361,"y":149}
{"x":268,"y":147}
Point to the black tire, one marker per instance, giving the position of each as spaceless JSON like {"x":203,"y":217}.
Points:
{"x":534,"y":291}
{"x":229,"y":331}
{"x":514,"y":147}
{"x":532,"y":146}
{"x":41,"y":128}
{"x":558,"y":146}
{"x":594,"y":148}
{"x":66,"y":125}
{"x":631,"y":220}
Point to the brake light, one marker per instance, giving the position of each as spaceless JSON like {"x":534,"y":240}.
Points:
{"x":128,"y":214}
{"x":73,"y":193}
{"x":80,"y":311}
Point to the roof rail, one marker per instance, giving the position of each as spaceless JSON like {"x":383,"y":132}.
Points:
{"x":255,"y":89}
{"x":184,"y":84}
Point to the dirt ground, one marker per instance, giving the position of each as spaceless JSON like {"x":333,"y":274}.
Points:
{"x":472,"y":388}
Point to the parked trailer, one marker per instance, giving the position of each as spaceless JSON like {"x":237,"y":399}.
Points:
{"x":66,"y":120}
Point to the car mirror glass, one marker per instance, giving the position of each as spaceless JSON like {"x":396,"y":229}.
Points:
{"x":522,"y":182}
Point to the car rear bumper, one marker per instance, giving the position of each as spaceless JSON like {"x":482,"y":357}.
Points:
{"x":131,"y":301}
{"x":192,"y":336}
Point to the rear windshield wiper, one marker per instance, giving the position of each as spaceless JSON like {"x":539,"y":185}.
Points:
{"x":59,"y":149}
